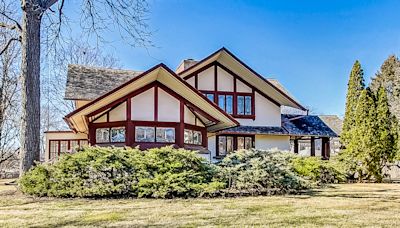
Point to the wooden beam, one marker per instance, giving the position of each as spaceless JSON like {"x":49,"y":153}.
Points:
{"x":296,"y":146}
{"x":312,"y":141}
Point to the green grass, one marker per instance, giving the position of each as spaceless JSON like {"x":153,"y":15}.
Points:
{"x":346,"y":205}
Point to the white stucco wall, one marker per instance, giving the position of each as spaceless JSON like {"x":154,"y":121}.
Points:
{"x":191,"y":81}
{"x":189,"y":117}
{"x":225,"y":80}
{"x":272,"y":142}
{"x":168,"y":107}
{"x":241,"y":87}
{"x":267,"y":113}
{"x":118,"y":113}
{"x":143,"y":106}
{"x":212,"y":146}
{"x":206,"y":79}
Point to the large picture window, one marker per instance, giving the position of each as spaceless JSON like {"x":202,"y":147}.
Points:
{"x":155,"y":134}
{"x":113,"y":134}
{"x":229,"y":143}
{"x":192,"y":137}
{"x":56,"y":147}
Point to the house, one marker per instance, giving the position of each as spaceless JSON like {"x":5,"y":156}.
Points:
{"x":214,"y":106}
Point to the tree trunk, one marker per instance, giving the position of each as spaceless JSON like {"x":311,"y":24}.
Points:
{"x":30,"y":91}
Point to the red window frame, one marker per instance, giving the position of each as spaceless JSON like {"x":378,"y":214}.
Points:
{"x":64,"y":140}
{"x":235,"y":141}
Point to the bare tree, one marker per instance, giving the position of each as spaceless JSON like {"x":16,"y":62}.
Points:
{"x":9,"y":108}
{"x":128,"y":17}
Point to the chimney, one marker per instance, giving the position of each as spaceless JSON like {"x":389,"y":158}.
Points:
{"x":185,"y":64}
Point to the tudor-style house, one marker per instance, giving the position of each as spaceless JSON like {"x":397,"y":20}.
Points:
{"x":214,"y":106}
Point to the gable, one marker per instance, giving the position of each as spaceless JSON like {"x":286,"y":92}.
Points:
{"x":239,"y":68}
{"x":160,"y":75}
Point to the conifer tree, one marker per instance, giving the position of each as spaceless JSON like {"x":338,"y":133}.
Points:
{"x":389,"y":78}
{"x":354,"y":88}
{"x":385,"y":148}
{"x":362,"y":142}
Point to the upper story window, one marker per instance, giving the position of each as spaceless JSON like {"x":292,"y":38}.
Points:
{"x":225,"y":102}
{"x":237,"y":104}
{"x":244,"y":106}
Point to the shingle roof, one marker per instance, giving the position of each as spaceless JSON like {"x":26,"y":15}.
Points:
{"x":88,"y":83}
{"x":334,"y":122}
{"x":303,"y":125}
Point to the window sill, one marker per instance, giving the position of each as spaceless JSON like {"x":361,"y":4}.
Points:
{"x":244,"y":116}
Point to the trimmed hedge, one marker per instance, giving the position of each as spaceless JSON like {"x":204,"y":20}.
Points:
{"x":167,"y":173}
{"x":319,"y":171}
{"x":260,"y":172}
{"x":111,"y":172}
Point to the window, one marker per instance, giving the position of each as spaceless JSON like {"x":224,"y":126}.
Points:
{"x":225,"y":102}
{"x":118,"y":134}
{"x":107,"y":135}
{"x":192,"y":137}
{"x":244,"y":143}
{"x":155,"y":134}
{"x":102,"y":135}
{"x":210,"y":96}
{"x":56,"y":147}
{"x":244,"y":105}
{"x":144,"y":134}
{"x":225,"y":145}
{"x":53,"y":149}
{"x":63,"y":146}
{"x":165,"y":134}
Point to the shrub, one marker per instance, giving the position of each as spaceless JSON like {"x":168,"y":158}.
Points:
{"x":260,"y":172}
{"x":110,"y":172}
{"x":319,"y":171}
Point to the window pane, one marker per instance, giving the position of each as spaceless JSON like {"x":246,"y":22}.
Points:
{"x":102,"y":135}
{"x":83,"y":142}
{"x":240,"y":105}
{"x":144,"y":134}
{"x":53,"y":149}
{"x":221,"y":101}
{"x":118,"y":134}
{"x":165,"y":134}
{"x":229,"y":104}
{"x":63,"y":146}
{"x":74,"y":144}
{"x":197,"y":138}
{"x":210,"y":96}
{"x":248,"y":143}
{"x":248,"y":105}
{"x":188,"y":136}
{"x":222,"y":145}
{"x":229,"y":144}
{"x":240,"y":143}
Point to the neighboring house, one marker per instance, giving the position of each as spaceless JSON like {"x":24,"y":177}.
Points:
{"x":214,"y":106}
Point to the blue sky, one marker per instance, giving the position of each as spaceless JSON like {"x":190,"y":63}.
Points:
{"x":309,"y":46}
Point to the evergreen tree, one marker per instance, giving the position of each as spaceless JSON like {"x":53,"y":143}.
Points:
{"x":385,"y":148}
{"x":361,"y":144}
{"x":354,"y":88}
{"x":389,"y":78}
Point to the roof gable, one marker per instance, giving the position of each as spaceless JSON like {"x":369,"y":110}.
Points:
{"x":226,"y":58}
{"x":162,"y":74}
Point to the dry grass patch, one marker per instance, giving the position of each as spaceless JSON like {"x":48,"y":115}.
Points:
{"x":346,"y":205}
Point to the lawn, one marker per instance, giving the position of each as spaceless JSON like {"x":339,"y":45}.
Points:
{"x":339,"y":205}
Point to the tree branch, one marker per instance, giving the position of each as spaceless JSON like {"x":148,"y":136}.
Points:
{"x":49,"y":3}
{"x":8,"y":44}
{"x":17,"y":25}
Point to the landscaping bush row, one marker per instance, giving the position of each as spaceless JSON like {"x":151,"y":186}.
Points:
{"x":167,"y":172}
